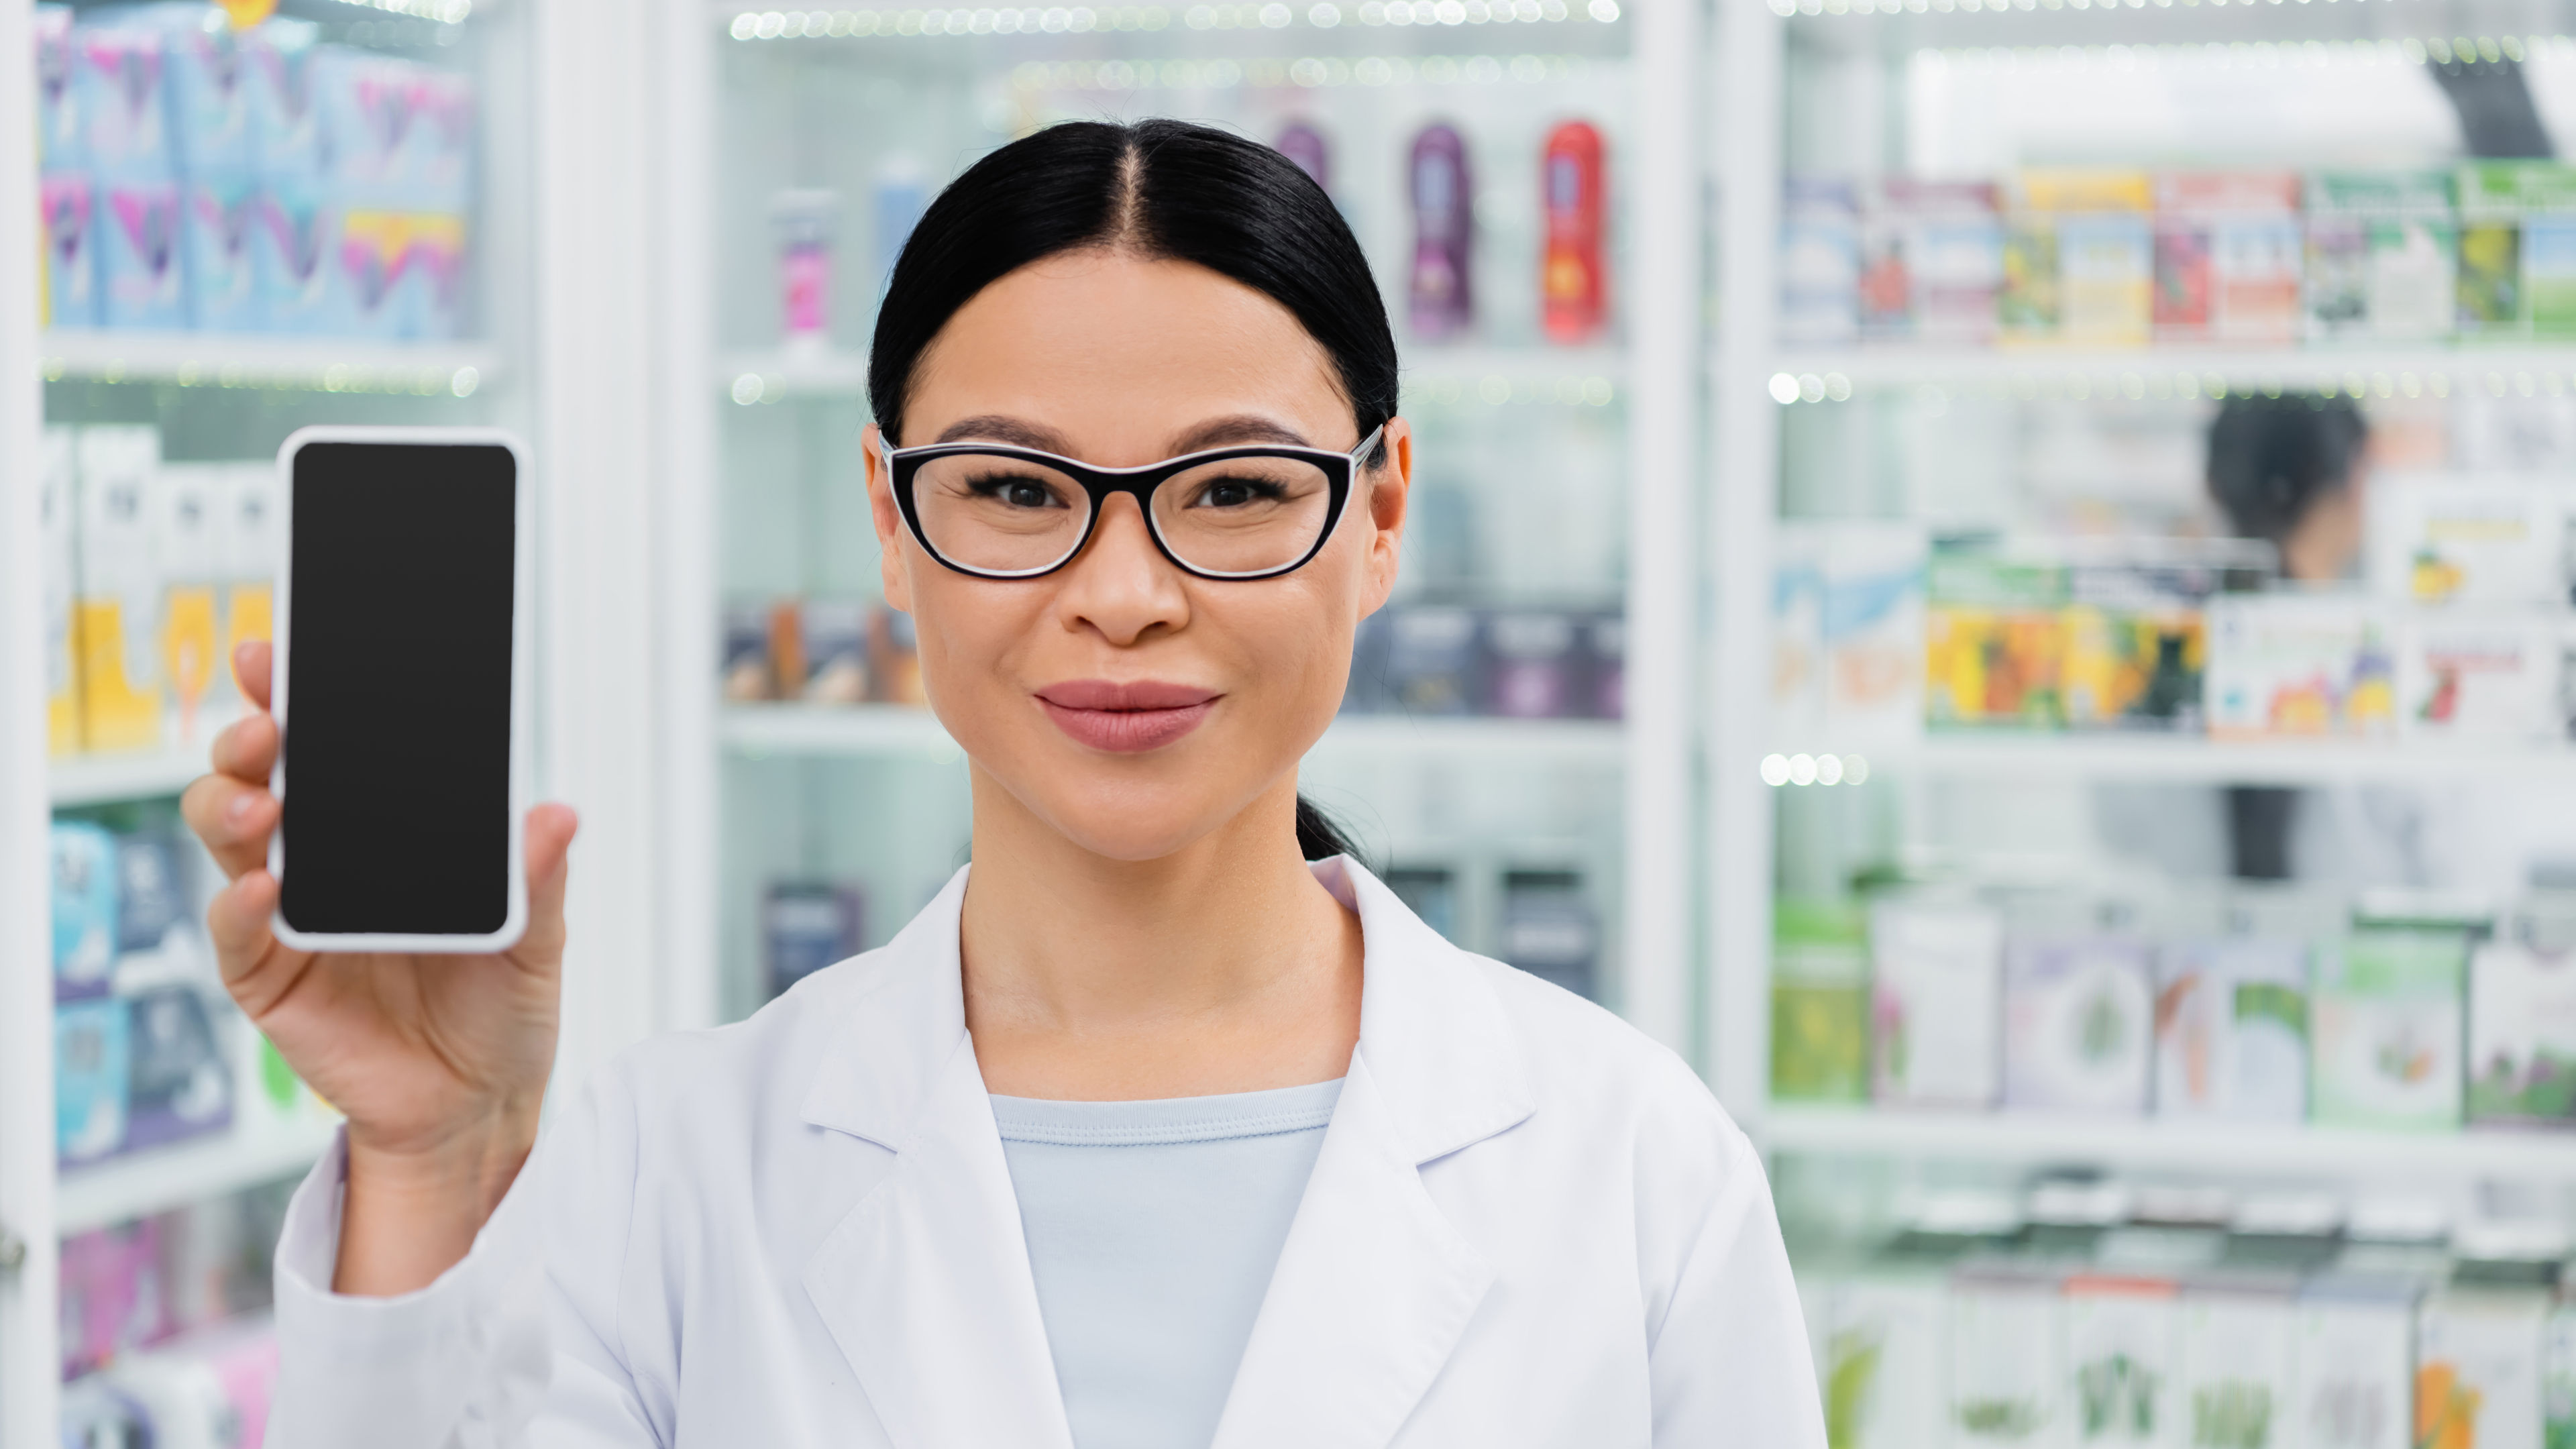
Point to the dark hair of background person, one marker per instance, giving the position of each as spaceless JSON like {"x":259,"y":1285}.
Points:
{"x":2270,"y":458}
{"x":1161,"y":189}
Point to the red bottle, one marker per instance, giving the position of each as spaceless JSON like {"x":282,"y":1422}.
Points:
{"x":1573,"y":283}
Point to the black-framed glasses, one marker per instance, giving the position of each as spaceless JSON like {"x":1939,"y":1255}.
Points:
{"x":1002,"y":512}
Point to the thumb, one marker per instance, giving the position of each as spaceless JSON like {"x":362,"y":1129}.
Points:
{"x":551,"y":828}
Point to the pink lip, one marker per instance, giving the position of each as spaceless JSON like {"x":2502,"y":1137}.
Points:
{"x":1126,"y":718}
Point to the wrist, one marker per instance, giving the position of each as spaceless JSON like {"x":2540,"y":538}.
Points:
{"x":411,"y":1210}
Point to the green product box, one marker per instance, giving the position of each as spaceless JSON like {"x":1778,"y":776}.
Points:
{"x":2383,"y":256}
{"x":2517,"y":250}
{"x":2386,"y":1021}
{"x":1819,"y":1002}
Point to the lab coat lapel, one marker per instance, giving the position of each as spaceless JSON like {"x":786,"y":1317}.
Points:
{"x":926,"y":1285}
{"x":1375,"y":1287}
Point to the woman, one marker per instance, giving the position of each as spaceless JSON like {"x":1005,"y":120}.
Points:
{"x":1147,"y":1131}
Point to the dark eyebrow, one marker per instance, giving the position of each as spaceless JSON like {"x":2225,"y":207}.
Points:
{"x":994,"y":428}
{"x":1228,"y":432}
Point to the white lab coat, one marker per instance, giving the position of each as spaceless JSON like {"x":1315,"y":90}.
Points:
{"x":1528,"y":1226}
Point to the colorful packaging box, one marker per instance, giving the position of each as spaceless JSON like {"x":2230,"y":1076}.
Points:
{"x":2386,"y":1022}
{"x":1819,"y":1002}
{"x":1819,"y":263}
{"x":91,"y":1077}
{"x":217,"y":216}
{"x":57,"y":507}
{"x":2134,"y":645}
{"x":367,"y":102}
{"x":2228,"y":263}
{"x":71,"y":235}
{"x":84,"y":909}
{"x":1954,"y":245}
{"x":2522,"y":1034}
{"x":1433,"y":664}
{"x":295,"y":257}
{"x":1798,"y":631}
{"x":1882,"y":1365}
{"x":2124,"y":1359}
{"x":117,"y":613}
{"x":2477,"y":677}
{"x":2079,"y":1025}
{"x":184,"y":504}
{"x":2232,"y":1030}
{"x":277,"y":58}
{"x":180,"y":1084}
{"x":1886,"y":291}
{"x":2353,"y":1355}
{"x":2453,"y":540}
{"x":207,"y":105}
{"x":2477,"y":1370}
{"x":2383,"y":256}
{"x":2030,"y":303}
{"x":2292,"y":665}
{"x":1936,"y":1003}
{"x":141,"y":284}
{"x":251,"y":544}
{"x":1550,"y":930}
{"x":2517,"y":250}
{"x":368,"y":274}
{"x":119,"y":87}
{"x":2105,"y":251}
{"x":59,"y":140}
{"x":2008,"y":1380}
{"x":1870,"y":625}
{"x":438,"y":159}
{"x":2236,"y":1384}
{"x":1994,"y":642}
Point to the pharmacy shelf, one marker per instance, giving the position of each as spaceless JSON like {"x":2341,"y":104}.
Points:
{"x":1905,"y":25}
{"x":1831,"y":374}
{"x":306,"y":364}
{"x":758,"y":377}
{"x":161,"y":1178}
{"x":2158,"y":1145}
{"x":760,"y":730}
{"x":107,"y":779}
{"x":2055,"y":757}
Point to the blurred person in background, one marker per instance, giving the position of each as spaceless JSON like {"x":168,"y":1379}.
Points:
{"x":1166,"y":1125}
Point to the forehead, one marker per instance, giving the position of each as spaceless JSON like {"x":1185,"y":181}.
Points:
{"x":1119,"y":356}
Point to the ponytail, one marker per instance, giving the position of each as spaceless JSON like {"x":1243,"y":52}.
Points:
{"x":1319,"y":836}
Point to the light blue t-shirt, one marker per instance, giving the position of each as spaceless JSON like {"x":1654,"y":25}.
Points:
{"x":1153,"y":1228}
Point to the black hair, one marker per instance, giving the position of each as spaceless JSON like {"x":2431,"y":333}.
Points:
{"x":2270,"y":458}
{"x":1162,"y":189}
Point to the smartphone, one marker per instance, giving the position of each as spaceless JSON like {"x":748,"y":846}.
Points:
{"x":401,"y":691}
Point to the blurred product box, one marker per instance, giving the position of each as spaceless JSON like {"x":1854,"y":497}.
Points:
{"x":1606,"y":636}
{"x":1994,"y":647}
{"x":2232,"y":1030}
{"x":139,"y":276}
{"x":2008,"y":1379}
{"x":2301,"y":665}
{"x":117,"y":613}
{"x":2477,"y":1370}
{"x":2447,"y":539}
{"x":1953,"y":240}
{"x":2517,"y":250}
{"x":806,"y":926}
{"x":1430,"y":892}
{"x":57,"y":498}
{"x":2385,"y":1012}
{"x":894,"y":659}
{"x":1820,"y":1002}
{"x":1848,"y":630}
{"x":60,"y":141}
{"x":1819,"y":262}
{"x":836,"y":652}
{"x":2558,"y":1374}
{"x":2135,"y":649}
{"x":744,"y":675}
{"x":69,"y":204}
{"x":2236,"y":1386}
{"x":2522,"y":1034}
{"x":2079,"y":1025}
{"x":186,"y":502}
{"x":2491,"y":678}
{"x":278,"y":58}
{"x":93,"y":1056}
{"x":2124,"y":1358}
{"x":2353,"y":1358}
{"x":1880,"y":1365}
{"x":121,"y":97}
{"x":2383,"y":252}
{"x":1536,"y":670}
{"x":2091,"y":228}
{"x":2228,"y":259}
{"x":1550,"y":930}
{"x":1936,"y":1012}
{"x":295,"y":240}
{"x":1434,"y":663}
{"x":208,"y":1390}
{"x":85,"y":909}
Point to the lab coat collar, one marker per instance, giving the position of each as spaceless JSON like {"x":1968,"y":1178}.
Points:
{"x":926,"y":1285}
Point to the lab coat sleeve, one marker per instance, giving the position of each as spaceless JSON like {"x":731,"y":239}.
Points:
{"x":513,"y":1348}
{"x":1728,"y":1360}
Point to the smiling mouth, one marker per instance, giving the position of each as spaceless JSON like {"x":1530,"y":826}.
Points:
{"x":1126,"y":718}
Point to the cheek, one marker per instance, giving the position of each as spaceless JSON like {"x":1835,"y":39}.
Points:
{"x":969,"y":629}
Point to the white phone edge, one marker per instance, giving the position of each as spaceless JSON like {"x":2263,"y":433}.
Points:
{"x":522,"y":684}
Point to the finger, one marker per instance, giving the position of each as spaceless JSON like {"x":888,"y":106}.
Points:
{"x":233,"y":819}
{"x":550,"y":832}
{"x":251,"y":661}
{"x":247,"y":748}
{"x":256,"y":969}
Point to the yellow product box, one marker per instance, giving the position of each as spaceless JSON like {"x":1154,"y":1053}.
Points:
{"x":183,"y":503}
{"x":117,"y":604}
{"x":57,"y":494}
{"x":251,"y":546}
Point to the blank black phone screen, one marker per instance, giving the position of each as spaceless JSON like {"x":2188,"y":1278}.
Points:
{"x":397,"y":732}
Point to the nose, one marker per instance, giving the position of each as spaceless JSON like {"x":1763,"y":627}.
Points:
{"x":1120,"y":585}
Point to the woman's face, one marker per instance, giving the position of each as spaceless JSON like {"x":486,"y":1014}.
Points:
{"x":1131,"y":706}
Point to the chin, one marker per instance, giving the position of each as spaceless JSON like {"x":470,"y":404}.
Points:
{"x":1120,"y":820}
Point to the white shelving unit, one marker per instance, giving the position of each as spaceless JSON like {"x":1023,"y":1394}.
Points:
{"x":861,"y":730}
{"x":159,"y":1179}
{"x":1765,"y":50}
{"x":312,"y":364}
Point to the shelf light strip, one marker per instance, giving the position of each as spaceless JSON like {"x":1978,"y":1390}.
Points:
{"x":2265,"y":54}
{"x":1787,"y":388}
{"x":1802,"y":769}
{"x":1310,"y":72}
{"x":446,"y":12}
{"x":1945,"y":7}
{"x":333,"y":377}
{"x":1084,"y":19}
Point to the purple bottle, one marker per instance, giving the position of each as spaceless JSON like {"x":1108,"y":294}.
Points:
{"x":1444,"y":229}
{"x":1307,"y":147}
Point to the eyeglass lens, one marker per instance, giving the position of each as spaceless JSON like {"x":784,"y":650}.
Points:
{"x":1002,"y":514}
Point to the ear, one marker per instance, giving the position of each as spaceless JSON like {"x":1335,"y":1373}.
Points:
{"x":1388,"y":489}
{"x":893,"y":566}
